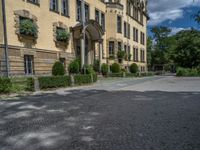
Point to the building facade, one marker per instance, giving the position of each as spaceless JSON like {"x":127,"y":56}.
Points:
{"x":57,"y":33}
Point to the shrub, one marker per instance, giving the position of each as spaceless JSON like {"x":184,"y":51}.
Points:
{"x":96,"y":65}
{"x":82,"y":79}
{"x":5,"y":85}
{"x":121,"y":55}
{"x":74,"y":67}
{"x":187,"y":72}
{"x":54,"y":81}
{"x":58,"y":69}
{"x":89,"y":69}
{"x":28,"y":27}
{"x":134,"y":68}
{"x":30,"y":84}
{"x":104,"y":69}
{"x":115,"y":74}
{"x":95,"y":77}
{"x":62,"y":35}
{"x":115,"y":68}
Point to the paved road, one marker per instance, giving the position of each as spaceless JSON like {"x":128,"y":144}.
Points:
{"x":103,"y":118}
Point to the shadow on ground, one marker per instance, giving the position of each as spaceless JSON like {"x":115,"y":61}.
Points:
{"x":101,"y":120}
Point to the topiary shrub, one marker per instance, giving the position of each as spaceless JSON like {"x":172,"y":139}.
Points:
{"x":28,"y":27}
{"x":5,"y":85}
{"x":134,"y":68}
{"x":74,"y":67}
{"x":104,"y":69}
{"x":58,"y":69}
{"x":115,"y":68}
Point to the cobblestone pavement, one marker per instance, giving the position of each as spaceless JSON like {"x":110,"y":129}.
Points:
{"x":95,"y":119}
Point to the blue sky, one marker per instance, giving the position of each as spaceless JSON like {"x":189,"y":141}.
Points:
{"x":176,"y":14}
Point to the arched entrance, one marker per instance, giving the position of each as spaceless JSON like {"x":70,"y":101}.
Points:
{"x":93,"y":35}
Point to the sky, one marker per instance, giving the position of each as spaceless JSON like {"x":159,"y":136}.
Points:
{"x":175,"y":14}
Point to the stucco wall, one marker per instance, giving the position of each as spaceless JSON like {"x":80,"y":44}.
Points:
{"x":45,"y":21}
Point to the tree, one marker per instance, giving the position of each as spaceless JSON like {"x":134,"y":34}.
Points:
{"x":161,"y":46}
{"x":149,"y":51}
{"x":187,"y":52}
{"x":197,"y":17}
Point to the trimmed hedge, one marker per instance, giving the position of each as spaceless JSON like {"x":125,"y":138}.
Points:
{"x":30,"y":84}
{"x":5,"y":85}
{"x":82,"y":79}
{"x":115,"y":75}
{"x":95,"y":77}
{"x":104,"y":69}
{"x":54,"y":81}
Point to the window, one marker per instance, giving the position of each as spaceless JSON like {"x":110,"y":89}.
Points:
{"x":87,"y":12}
{"x":111,"y":48}
{"x":129,"y":31}
{"x":142,"y":38}
{"x":103,"y":21}
{"x":135,"y":34}
{"x":129,"y":53}
{"x":54,"y":5}
{"x":65,"y":7}
{"x":97,"y":16}
{"x":142,"y":55}
{"x":125,"y":29}
{"x":34,"y":2}
{"x":119,"y":46}
{"x":119,"y":24}
{"x":135,"y":54}
{"x":78,"y":9}
{"x":28,"y":64}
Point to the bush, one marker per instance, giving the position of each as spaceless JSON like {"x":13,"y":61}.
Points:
{"x":62,"y":35}
{"x":134,"y":68}
{"x":74,"y":67}
{"x":30,"y":84}
{"x":95,"y":77}
{"x":89,"y":69}
{"x":104,"y":69}
{"x":96,"y":65}
{"x":187,"y":72}
{"x":82,"y":79}
{"x":115,"y":75}
{"x":58,"y":69}
{"x":54,"y":81}
{"x":5,"y":85}
{"x":115,"y":68}
{"x":27,"y":27}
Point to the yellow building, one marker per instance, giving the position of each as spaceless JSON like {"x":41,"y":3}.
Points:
{"x":57,"y":33}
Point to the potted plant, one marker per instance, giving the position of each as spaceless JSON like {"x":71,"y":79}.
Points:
{"x":28,"y":28}
{"x":120,"y":56}
{"x":62,"y":35}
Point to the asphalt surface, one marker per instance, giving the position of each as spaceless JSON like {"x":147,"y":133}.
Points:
{"x":94,"y":119}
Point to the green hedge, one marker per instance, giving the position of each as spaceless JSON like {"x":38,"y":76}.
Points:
{"x":115,"y":74}
{"x":54,"y":81}
{"x":187,"y":72}
{"x":5,"y":85}
{"x":132,"y":74}
{"x":95,"y":77}
{"x":82,"y":79}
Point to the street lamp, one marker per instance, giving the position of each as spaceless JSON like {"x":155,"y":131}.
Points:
{"x":83,"y":36}
{"x":5,"y":38}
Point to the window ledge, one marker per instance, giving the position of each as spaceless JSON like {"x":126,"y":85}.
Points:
{"x":55,"y":11}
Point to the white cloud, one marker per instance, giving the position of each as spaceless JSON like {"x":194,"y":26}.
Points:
{"x":162,"y":10}
{"x":176,"y":30}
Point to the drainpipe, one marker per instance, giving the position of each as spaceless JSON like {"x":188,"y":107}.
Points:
{"x":5,"y":37}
